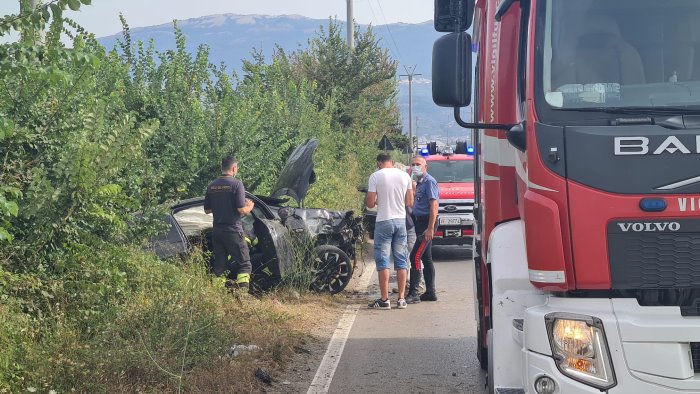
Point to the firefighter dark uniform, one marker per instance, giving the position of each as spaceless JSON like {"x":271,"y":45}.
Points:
{"x":223,"y":198}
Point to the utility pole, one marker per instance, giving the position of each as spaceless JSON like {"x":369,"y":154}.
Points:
{"x":351,"y":26}
{"x":410,"y":76}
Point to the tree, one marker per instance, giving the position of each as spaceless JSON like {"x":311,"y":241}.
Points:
{"x":365,"y":76}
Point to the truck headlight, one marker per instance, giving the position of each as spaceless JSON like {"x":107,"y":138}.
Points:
{"x":580,"y":349}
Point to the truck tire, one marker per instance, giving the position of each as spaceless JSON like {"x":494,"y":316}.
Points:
{"x":482,"y":352}
{"x":481,"y":349}
{"x":490,"y":377}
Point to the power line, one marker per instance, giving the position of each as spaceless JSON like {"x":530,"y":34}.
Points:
{"x":386,"y":26}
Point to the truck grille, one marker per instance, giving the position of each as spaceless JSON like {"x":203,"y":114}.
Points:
{"x":695,"y":352}
{"x":456,"y":207}
{"x":655,"y":260}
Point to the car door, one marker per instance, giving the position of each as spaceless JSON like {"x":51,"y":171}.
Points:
{"x":271,"y":251}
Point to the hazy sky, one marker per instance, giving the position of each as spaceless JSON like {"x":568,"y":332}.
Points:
{"x":102,"y":19}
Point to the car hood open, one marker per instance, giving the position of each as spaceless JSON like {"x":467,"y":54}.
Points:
{"x":298,"y":173}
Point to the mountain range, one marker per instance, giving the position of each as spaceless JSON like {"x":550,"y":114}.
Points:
{"x":232,"y":38}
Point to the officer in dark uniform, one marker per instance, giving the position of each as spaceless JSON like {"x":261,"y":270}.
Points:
{"x":225,"y":198}
{"x":425,"y":209}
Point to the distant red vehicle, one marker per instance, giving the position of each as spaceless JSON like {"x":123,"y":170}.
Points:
{"x":455,"y":176}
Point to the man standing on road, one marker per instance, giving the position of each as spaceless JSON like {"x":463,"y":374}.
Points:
{"x":390,"y":190}
{"x":425,"y":214}
{"x":225,"y":197}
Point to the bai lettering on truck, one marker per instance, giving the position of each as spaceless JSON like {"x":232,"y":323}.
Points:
{"x":689,"y":204}
{"x":630,"y":146}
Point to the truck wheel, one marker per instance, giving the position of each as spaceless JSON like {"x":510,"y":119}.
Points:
{"x":490,"y":378}
{"x":481,"y":349}
{"x":332,"y":269}
{"x":482,"y":352}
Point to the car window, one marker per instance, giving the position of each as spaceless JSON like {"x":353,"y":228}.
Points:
{"x":450,"y":171}
{"x":193,"y":220}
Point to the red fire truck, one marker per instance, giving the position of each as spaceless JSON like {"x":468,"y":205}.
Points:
{"x":587,"y":232}
{"x":454,"y":173}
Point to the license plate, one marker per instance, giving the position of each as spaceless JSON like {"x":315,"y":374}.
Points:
{"x":448,"y":221}
{"x":451,"y":233}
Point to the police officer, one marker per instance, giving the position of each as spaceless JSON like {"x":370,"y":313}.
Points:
{"x":425,"y":209}
{"x":225,"y":198}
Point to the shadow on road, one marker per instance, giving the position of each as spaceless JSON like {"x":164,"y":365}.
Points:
{"x":421,"y":365}
{"x":451,"y":253}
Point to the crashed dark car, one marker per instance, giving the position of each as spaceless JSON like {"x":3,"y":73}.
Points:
{"x":275,"y":230}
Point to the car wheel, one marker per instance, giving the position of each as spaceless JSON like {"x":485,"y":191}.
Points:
{"x":332,"y":269}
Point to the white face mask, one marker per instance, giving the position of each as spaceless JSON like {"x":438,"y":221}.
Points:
{"x":417,"y":171}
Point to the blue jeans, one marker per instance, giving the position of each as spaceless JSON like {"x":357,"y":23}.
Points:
{"x":390,"y":238}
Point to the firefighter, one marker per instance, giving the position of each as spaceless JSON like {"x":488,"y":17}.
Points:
{"x":225,"y":198}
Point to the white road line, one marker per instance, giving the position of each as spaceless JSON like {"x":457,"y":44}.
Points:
{"x":324,"y":374}
{"x":363,"y":284}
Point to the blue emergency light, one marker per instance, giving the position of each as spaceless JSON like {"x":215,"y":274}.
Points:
{"x":653,"y":205}
{"x":470,"y":150}
{"x":425,"y":152}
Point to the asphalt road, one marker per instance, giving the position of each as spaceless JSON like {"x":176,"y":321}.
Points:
{"x":426,"y":348}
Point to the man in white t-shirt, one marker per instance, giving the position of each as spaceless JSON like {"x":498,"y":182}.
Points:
{"x":391,"y":191}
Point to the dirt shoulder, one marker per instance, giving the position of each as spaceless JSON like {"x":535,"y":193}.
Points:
{"x":300,"y":369}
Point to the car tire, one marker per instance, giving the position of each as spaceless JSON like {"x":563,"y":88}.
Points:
{"x":332,"y":269}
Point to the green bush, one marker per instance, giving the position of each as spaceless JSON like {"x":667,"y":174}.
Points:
{"x":16,"y":343}
{"x":96,"y":143}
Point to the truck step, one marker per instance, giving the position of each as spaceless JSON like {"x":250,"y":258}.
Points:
{"x":506,"y":390}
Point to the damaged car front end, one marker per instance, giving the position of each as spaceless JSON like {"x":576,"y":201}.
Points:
{"x":322,"y":240}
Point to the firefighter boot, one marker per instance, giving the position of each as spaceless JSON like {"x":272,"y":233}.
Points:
{"x":243,"y":283}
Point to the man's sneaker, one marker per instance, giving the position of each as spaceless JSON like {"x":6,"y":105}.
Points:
{"x":379,"y":304}
{"x":401,"y":303}
{"x":412,"y":298}
{"x":428,"y":296}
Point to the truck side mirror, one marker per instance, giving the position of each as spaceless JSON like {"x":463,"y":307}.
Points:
{"x":452,"y":70}
{"x":453,"y":15}
{"x":517,"y":136}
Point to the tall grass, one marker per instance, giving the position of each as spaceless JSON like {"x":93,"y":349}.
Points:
{"x":166,"y":328}
{"x":301,"y":272}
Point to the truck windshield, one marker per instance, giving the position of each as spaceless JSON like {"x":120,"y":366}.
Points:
{"x":621,"y":54}
{"x":451,"y":171}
